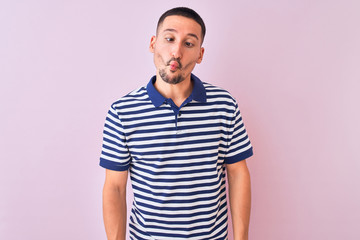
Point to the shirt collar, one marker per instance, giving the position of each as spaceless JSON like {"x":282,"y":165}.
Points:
{"x":198,"y":93}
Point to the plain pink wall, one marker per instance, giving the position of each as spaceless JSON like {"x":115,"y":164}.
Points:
{"x":293,"y":66}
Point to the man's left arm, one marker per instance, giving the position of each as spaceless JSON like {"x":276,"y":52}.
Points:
{"x":240,"y":198}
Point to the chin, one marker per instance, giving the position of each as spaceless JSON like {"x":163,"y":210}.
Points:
{"x":171,"y":77}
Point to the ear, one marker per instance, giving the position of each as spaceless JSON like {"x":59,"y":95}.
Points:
{"x":152,"y":44}
{"x":201,"y":55}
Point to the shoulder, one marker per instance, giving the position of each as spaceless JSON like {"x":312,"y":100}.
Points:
{"x":215,"y":93}
{"x":134,"y":97}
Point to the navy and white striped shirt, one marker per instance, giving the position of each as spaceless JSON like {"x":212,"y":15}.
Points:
{"x":176,"y":157}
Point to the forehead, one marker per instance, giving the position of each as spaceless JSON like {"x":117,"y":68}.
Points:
{"x":181,"y":25}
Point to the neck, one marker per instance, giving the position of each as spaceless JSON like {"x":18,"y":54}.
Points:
{"x":177,"y":92}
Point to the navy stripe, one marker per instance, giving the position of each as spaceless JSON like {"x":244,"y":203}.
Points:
{"x":188,"y":157}
{"x":169,"y":144}
{"x":179,"y":165}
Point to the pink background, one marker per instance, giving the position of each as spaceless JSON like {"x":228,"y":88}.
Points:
{"x":293,"y":66}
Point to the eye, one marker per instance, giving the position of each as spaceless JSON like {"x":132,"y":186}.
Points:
{"x":189,"y":44}
{"x":169,"y":39}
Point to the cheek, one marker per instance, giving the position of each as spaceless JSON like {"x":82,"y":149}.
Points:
{"x":158,"y":59}
{"x":159,"y":55}
{"x":191,"y":62}
{"x":190,"y":65}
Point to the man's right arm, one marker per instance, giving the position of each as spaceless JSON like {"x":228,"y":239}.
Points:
{"x":114,"y":204}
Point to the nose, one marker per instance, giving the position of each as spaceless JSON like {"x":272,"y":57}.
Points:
{"x":176,"y":51}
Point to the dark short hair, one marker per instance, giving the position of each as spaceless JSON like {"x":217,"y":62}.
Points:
{"x":185,"y":12}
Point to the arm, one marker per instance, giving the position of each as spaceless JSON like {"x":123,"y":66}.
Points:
{"x":114,"y":204}
{"x":240,"y":198}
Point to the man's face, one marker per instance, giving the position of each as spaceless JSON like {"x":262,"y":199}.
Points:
{"x":177,"y":48}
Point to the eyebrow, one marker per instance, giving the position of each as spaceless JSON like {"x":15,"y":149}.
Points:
{"x":189,"y":34}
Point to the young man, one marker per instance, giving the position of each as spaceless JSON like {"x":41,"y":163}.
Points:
{"x":176,"y":137}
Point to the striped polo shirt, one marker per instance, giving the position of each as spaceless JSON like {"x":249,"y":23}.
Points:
{"x":176,"y":157}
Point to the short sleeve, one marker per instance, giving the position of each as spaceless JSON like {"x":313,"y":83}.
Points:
{"x":115,"y":154}
{"x":239,"y":146}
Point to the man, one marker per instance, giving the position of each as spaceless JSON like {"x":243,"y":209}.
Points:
{"x":176,"y":137}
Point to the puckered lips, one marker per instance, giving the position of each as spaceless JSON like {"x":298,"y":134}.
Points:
{"x":174,"y":65}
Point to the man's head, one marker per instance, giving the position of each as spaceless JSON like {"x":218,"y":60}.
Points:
{"x":177,"y":44}
{"x":185,"y":12}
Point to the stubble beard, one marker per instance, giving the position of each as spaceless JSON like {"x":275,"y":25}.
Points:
{"x":178,"y":78}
